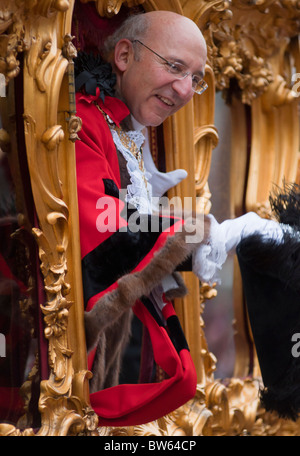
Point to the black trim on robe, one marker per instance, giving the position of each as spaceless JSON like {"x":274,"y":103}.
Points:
{"x":174,"y":328}
{"x":123,"y":250}
{"x":111,"y":188}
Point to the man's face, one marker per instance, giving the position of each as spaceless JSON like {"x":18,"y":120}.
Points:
{"x":152,"y":93}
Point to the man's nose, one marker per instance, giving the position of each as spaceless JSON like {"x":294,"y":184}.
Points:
{"x":183,"y":87}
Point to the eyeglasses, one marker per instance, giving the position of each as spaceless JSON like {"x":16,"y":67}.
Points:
{"x":179,"y":71}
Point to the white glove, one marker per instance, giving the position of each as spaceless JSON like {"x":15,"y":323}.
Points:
{"x":235,"y":230}
{"x":160,"y":182}
{"x":222,"y":240}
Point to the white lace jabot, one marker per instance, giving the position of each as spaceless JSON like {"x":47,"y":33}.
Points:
{"x":139,"y":192}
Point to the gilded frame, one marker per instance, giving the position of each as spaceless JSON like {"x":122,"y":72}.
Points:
{"x":41,"y":32}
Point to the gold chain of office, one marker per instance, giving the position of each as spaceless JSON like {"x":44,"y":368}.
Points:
{"x":126,"y":141}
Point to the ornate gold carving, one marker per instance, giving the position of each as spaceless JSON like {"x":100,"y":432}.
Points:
{"x":39,"y":33}
{"x":205,"y":140}
{"x":13,"y":42}
{"x":220,"y":409}
{"x":75,"y":123}
{"x":109,"y":8}
{"x":241,"y":45}
{"x":45,"y":69}
{"x":17,"y":39}
{"x":56,"y":310}
{"x":241,"y":50}
{"x":9,"y":430}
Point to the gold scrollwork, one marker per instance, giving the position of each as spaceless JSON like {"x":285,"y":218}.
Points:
{"x":240,"y":50}
{"x":40,"y":32}
{"x":240,"y":47}
{"x":109,"y":8}
{"x":74,"y":122}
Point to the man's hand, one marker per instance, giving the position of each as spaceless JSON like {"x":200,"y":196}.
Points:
{"x":161,"y":182}
{"x":223,"y":239}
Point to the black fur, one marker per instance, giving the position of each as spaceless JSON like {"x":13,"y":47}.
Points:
{"x":285,"y":204}
{"x":271,"y":279}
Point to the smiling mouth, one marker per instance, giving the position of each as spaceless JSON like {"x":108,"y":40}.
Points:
{"x":166,"y":101}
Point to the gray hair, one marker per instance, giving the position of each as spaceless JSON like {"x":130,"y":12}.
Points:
{"x":133,"y":28}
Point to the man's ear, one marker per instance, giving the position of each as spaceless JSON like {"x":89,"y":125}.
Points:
{"x":123,"y":54}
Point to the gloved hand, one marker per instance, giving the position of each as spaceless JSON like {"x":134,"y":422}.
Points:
{"x":223,"y":239}
{"x":160,"y":182}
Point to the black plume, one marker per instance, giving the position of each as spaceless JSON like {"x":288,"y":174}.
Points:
{"x":91,"y":71}
{"x":285,"y":204}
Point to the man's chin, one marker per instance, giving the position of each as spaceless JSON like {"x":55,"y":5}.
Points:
{"x":155,"y":120}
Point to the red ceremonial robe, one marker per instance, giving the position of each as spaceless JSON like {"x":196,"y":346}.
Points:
{"x":120,"y":268}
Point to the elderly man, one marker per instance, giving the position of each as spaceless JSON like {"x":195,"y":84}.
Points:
{"x":153,"y":65}
{"x":158,"y":62}
{"x":158,"y":70}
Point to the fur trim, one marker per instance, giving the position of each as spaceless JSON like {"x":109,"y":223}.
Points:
{"x":110,"y":318}
{"x":135,"y":285}
{"x":181,"y":289}
{"x":111,"y":345}
{"x":284,"y":262}
{"x":284,"y":396}
{"x":279,"y":260}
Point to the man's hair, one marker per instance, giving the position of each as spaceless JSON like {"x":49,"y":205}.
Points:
{"x":133,"y":28}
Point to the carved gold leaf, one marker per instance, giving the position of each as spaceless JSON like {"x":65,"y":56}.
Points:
{"x":36,"y":28}
{"x":9,"y":430}
{"x":109,"y":8}
{"x":242,"y":53}
{"x":241,"y":42}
